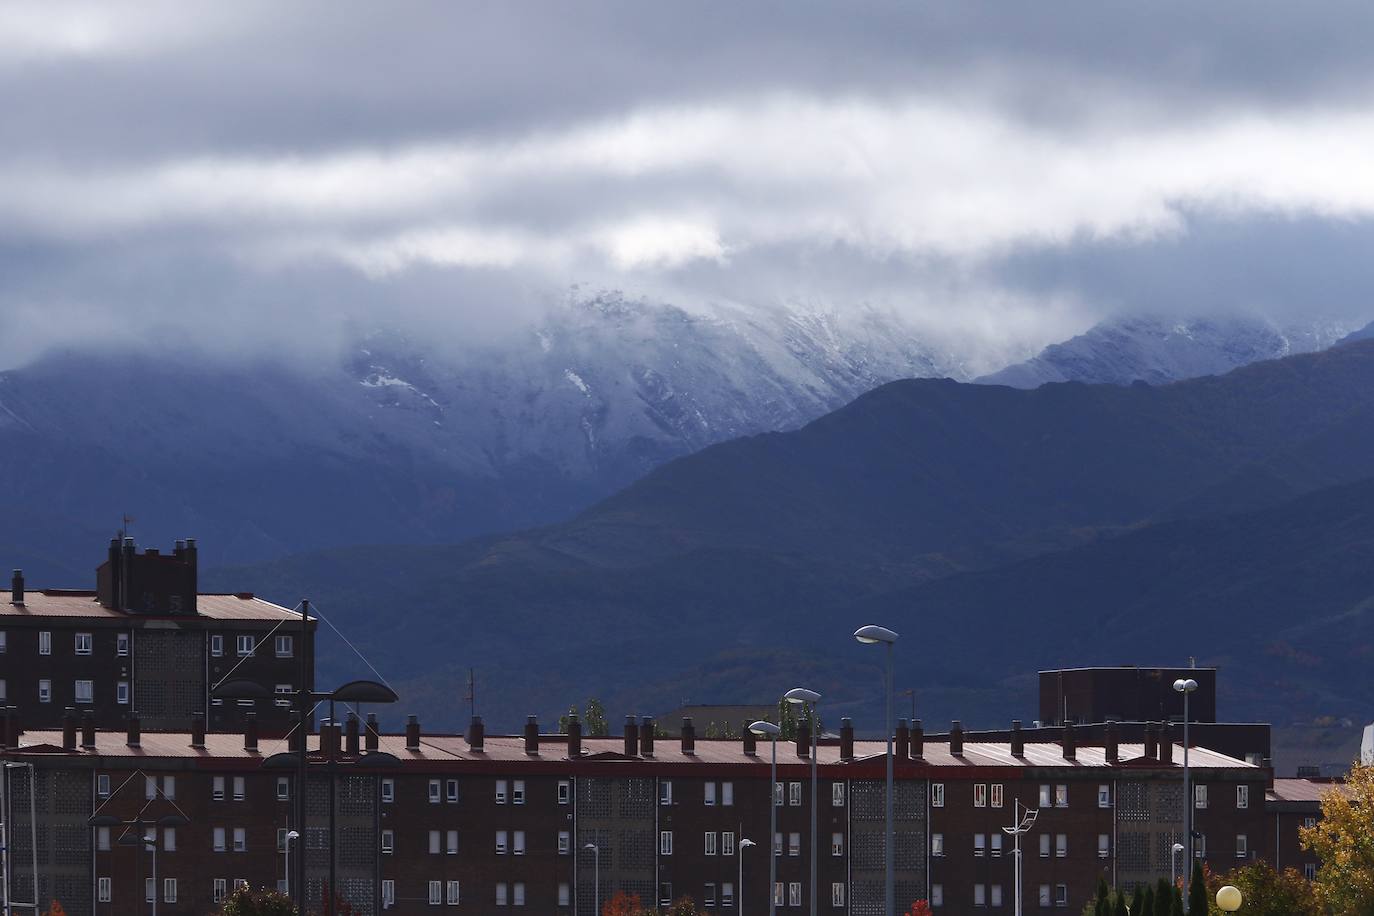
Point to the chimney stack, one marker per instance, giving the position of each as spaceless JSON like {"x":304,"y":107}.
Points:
{"x":846,"y":739}
{"x":135,"y":737}
{"x":1166,"y":744}
{"x":956,"y":738}
{"x":250,"y":732}
{"x":351,"y":744}
{"x":918,"y":739}
{"x":197,"y":730}
{"x":88,"y":729}
{"x":532,"y":736}
{"x":1068,"y":741}
{"x":689,"y":736}
{"x":371,"y":733}
{"x":901,"y":746}
{"x":1151,"y":742}
{"x":412,"y":733}
{"x":1267,"y":763}
{"x":69,"y":729}
{"x":631,"y":736}
{"x":574,"y":735}
{"x":477,"y":734}
{"x":1111,"y":740}
{"x":297,"y":735}
{"x":751,"y":740}
{"x":17,"y":587}
{"x":646,"y":736}
{"x":803,"y":739}
{"x":1018,"y":739}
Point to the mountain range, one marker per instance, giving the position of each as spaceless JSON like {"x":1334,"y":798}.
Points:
{"x":999,"y":530}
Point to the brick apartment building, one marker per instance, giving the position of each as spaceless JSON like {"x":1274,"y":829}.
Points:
{"x":145,"y":640}
{"x":486,"y":824}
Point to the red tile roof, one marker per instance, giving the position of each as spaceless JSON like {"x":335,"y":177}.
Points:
{"x":1302,"y":790}
{"x":66,"y":602}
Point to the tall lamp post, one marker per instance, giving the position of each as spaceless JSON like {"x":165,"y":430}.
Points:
{"x":290,"y":835}
{"x":1186,"y":686}
{"x":596,"y":874}
{"x":770,"y":731}
{"x":739,"y":888}
{"x":876,"y":635}
{"x":809,"y":698}
{"x":1025,"y":820}
{"x":1173,"y":862}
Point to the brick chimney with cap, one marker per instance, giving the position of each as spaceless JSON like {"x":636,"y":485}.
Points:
{"x":134,"y":737}
{"x":532,"y":736}
{"x":1068,"y":742}
{"x":1111,"y":742}
{"x":574,"y":735}
{"x":412,"y":733}
{"x":646,"y":736}
{"x":918,"y":739}
{"x":846,"y":738}
{"x":1151,"y":749}
{"x":956,"y":738}
{"x":69,"y":729}
{"x":631,"y":736}
{"x":1166,"y":744}
{"x":477,"y":734}
{"x":17,"y":587}
{"x":351,"y":730}
{"x":689,"y":736}
{"x":88,"y":728}
{"x":198,"y":729}
{"x":901,"y":745}
{"x":1018,"y":739}
{"x":371,"y":733}
{"x":751,"y":740}
{"x":250,"y":731}
{"x":803,"y":740}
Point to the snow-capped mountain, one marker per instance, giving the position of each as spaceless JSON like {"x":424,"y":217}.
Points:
{"x":1157,"y":349}
{"x":405,"y":441}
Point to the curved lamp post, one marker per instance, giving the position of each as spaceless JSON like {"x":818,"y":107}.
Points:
{"x":809,"y":698}
{"x":596,"y":874}
{"x":1185,"y":687}
{"x":739,"y":888}
{"x":875,"y":635}
{"x":770,"y":731}
{"x":1173,"y":862}
{"x":1229,"y":898}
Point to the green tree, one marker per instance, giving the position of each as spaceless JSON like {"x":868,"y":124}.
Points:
{"x":1176,"y":901}
{"x":564,"y":719}
{"x":594,"y":724}
{"x":1163,"y":903}
{"x":1102,"y":905}
{"x":1138,"y":905}
{"x":787,"y":721}
{"x":247,"y":901}
{"x":1197,"y":890}
{"x":1119,"y":904}
{"x":1147,"y":903}
{"x":712,"y":730}
{"x":1267,"y":892}
{"x":1342,"y":838}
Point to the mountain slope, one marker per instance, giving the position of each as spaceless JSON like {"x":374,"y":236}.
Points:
{"x":1157,"y":350}
{"x":757,"y":548}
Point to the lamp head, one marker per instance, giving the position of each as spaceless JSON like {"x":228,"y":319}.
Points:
{"x":590,"y":846}
{"x":1178,"y":847}
{"x":801,"y":695}
{"x":293,"y":834}
{"x":1229,"y":898}
{"x":765,"y":730}
{"x":1185,"y":686}
{"x":874,"y":634}
{"x":745,"y":844}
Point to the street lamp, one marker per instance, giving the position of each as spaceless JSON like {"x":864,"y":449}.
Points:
{"x":770,"y":731}
{"x":1173,"y":863}
{"x":875,"y":635}
{"x":1025,"y":820}
{"x":140,"y":839}
{"x":1229,"y":898}
{"x":809,"y":698}
{"x":739,"y":888}
{"x":290,"y":835}
{"x":1185,"y":687}
{"x":596,"y":874}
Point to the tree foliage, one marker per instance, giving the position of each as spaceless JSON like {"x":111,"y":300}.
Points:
{"x":919,"y":908}
{"x":55,"y":909}
{"x":247,"y":901}
{"x":1267,"y":892}
{"x":1197,"y":890}
{"x":622,"y":904}
{"x":1344,"y":839}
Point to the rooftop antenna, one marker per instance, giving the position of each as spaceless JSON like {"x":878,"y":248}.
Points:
{"x":471,"y":696}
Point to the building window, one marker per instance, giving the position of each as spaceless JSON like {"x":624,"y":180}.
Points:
{"x":1309,"y":871}
{"x":388,"y":790}
{"x":283,"y":788}
{"x":665,"y":791}
{"x":451,"y":790}
{"x":85,"y":692}
{"x":122,"y":692}
{"x":1061,"y":845}
{"x":4,"y":643}
{"x":83,"y":643}
{"x":102,"y":785}
{"x":1104,"y":846}
{"x":45,"y":642}
{"x":451,"y":842}
{"x":794,"y":844}
{"x":837,"y":893}
{"x":434,"y":842}
{"x":169,"y":839}
{"x":1242,"y":796}
{"x":517,"y":793}
{"x":708,"y":894}
{"x":519,"y":894}
{"x":283,"y":693}
{"x":219,"y":839}
{"x":980,"y":895}
{"x":1104,"y":796}
{"x":777,"y":843}
{"x":283,"y":645}
{"x":837,"y":794}
{"x":1044,"y":845}
{"x":388,"y":842}
{"x":1061,"y":895}
{"x":727,"y":893}
{"x":727,"y":793}
{"x":837,"y":844}
{"x":1309,"y":822}
{"x":996,"y":789}
{"x":779,"y":893}
{"x":995,"y":844}
{"x":794,"y":794}
{"x":1044,"y":895}
{"x":103,"y":890}
{"x":995,"y":895}
{"x":980,"y":795}
{"x":102,"y":838}
{"x":937,"y":795}
{"x":937,"y":845}
{"x":937,"y":895}
{"x":777,"y":794}
{"x":451,"y":893}
{"x":388,"y":893}
{"x":1242,"y":846}
{"x":436,"y":893}
{"x":564,"y":842}
{"x":794,"y":893}
{"x":665,"y":843}
{"x":501,"y":788}
{"x":220,"y":888}
{"x":240,"y":840}
{"x":246,"y":644}
{"x":149,"y":890}
{"x":980,"y":844}
{"x":564,"y":791}
{"x":121,"y":644}
{"x":216,"y":644}
{"x":1199,"y":796}
{"x":564,"y":894}
{"x":1061,"y":796}
{"x":169,"y":890}
{"x":240,"y":792}
{"x":708,"y":793}
{"x":169,"y":787}
{"x":519,"y":845}
{"x":45,"y":691}
{"x":435,"y":792}
{"x":4,"y":690}
{"x":665,"y":892}
{"x":501,"y":842}
{"x":1046,"y":799}
{"x":710,"y":843}
{"x":727,"y":843}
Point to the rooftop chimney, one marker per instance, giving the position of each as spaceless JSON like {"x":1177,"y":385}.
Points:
{"x":69,"y":729}
{"x":1018,"y":739}
{"x":631,"y":736}
{"x":901,"y":746}
{"x":198,"y":730}
{"x":804,"y":739}
{"x":371,"y":734}
{"x":1166,"y":744}
{"x":412,"y":733}
{"x":88,"y":728}
{"x":1267,"y":763}
{"x":351,"y":744}
{"x":1069,"y":742}
{"x":574,"y":735}
{"x":918,"y":739}
{"x":751,"y":740}
{"x":477,"y":734}
{"x":689,"y":736}
{"x":846,"y":738}
{"x":532,"y":736}
{"x":250,"y":732}
{"x":646,"y":736}
{"x":1111,"y":740}
{"x":1151,"y":742}
{"x":956,"y":738}
{"x":330,"y":735}
{"x":17,"y":587}
{"x":298,"y":731}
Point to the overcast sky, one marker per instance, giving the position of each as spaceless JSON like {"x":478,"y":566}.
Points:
{"x":274,"y":174}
